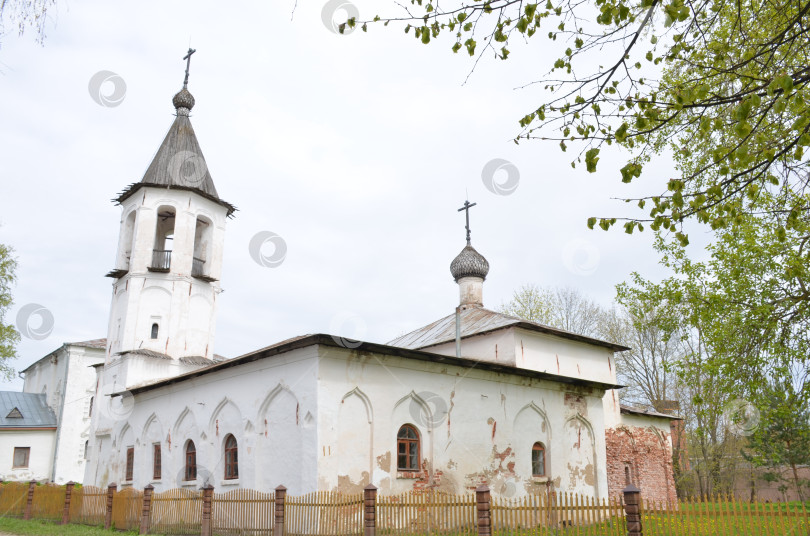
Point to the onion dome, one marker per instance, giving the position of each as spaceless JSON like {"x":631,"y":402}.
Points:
{"x":183,"y":100}
{"x":469,"y":263}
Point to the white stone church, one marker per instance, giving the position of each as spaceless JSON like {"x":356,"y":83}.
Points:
{"x":476,"y":396}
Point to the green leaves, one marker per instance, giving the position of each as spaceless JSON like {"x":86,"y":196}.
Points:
{"x":470,"y":44}
{"x":591,"y":158}
{"x":621,"y":133}
{"x":631,"y":171}
{"x":724,"y":93}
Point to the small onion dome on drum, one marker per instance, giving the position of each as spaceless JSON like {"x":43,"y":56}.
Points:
{"x":469,"y":263}
{"x":183,"y":99}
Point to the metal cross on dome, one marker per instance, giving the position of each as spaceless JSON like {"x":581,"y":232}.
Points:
{"x":187,"y":57}
{"x":467,"y":206}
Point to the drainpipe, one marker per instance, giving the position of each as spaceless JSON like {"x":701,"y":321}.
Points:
{"x":458,"y":331}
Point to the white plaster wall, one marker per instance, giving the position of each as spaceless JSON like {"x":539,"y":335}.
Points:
{"x":40,"y":461}
{"x":564,"y":357}
{"x":474,"y":425}
{"x":183,"y":306}
{"x":270,"y":406}
{"x":497,"y":346}
{"x":613,"y":416}
{"x":48,"y":376}
{"x":70,"y":370}
{"x":659,"y":424}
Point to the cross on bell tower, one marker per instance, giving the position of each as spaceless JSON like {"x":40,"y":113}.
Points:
{"x":187,"y":57}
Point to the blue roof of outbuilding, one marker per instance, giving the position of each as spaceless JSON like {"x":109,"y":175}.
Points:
{"x":35,"y":412}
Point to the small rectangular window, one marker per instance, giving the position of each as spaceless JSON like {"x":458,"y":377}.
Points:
{"x":130,"y":463}
{"x":21,"y":455}
{"x":156,"y":468}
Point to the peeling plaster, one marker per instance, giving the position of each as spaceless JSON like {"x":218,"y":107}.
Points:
{"x":384,"y":461}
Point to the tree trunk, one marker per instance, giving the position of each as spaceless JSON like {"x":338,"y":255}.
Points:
{"x":796,"y":482}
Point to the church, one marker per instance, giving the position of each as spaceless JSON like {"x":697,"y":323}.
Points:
{"x":474,"y":397}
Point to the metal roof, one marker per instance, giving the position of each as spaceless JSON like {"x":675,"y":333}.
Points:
{"x":304,"y":341}
{"x":636,"y":411}
{"x":97,"y":344}
{"x":477,"y":321}
{"x":179,"y":164}
{"x":35,"y":412}
{"x":100,"y":344}
{"x":186,"y":360}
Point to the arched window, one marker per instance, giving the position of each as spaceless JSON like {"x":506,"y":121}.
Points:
{"x":538,"y":459}
{"x":628,"y":473}
{"x":191,"y":461}
{"x":86,"y":448}
{"x":202,"y":241}
{"x":90,"y":411}
{"x":155,"y":329}
{"x":125,"y":245}
{"x":231,"y":458}
{"x":164,"y":237}
{"x":408,"y":449}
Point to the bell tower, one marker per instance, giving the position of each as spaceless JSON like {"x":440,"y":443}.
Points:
{"x":169,"y":261}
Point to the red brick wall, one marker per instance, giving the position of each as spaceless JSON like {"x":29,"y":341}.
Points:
{"x":649,"y":458}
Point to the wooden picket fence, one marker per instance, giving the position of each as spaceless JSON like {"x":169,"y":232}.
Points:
{"x":426,"y":512}
{"x":324,"y":513}
{"x":126,"y":509}
{"x":88,"y":505}
{"x":243,"y":512}
{"x":725,"y":516}
{"x":13,"y":499}
{"x":176,"y":511}
{"x":547,"y":513}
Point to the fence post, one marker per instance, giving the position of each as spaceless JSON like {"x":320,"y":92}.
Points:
{"x":281,"y":494}
{"x":111,"y":489}
{"x":482,"y":500}
{"x":66,"y":511}
{"x":30,"y":503}
{"x":632,"y":510}
{"x":208,"y":502}
{"x":370,"y":510}
{"x":146,"y":510}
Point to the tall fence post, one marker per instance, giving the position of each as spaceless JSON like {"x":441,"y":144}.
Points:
{"x":281,"y":494}
{"x":632,"y":510}
{"x":111,"y":489}
{"x":146,"y":510}
{"x":370,"y":510}
{"x":29,"y":505}
{"x":482,"y":504}
{"x":66,"y":510}
{"x":208,"y":503}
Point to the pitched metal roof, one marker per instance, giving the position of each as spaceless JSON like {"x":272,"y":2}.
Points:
{"x":334,"y":341}
{"x":97,"y":344}
{"x":35,"y":412}
{"x":100,"y":344}
{"x":629,"y":410}
{"x":477,"y":321}
{"x":179,"y":164}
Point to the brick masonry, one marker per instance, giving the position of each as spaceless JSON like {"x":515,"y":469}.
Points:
{"x":645,"y":457}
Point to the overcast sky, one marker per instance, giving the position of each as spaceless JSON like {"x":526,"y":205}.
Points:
{"x":356,"y":149}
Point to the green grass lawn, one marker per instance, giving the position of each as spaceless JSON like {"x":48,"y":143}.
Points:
{"x":44,"y":528}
